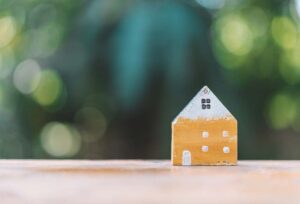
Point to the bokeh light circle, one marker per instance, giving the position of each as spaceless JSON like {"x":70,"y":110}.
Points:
{"x":60,"y":140}
{"x":27,"y":76}
{"x":49,"y":88}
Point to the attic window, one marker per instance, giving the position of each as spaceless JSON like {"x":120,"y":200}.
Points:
{"x":205,"y":103}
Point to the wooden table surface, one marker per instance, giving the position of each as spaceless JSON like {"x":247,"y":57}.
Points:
{"x":150,"y":181}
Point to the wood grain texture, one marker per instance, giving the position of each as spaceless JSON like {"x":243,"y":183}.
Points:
{"x":137,"y":181}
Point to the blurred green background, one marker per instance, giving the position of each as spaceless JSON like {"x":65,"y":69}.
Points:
{"x":103,"y":79}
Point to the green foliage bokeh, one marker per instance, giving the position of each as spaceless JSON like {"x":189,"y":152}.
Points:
{"x":104,"y":79}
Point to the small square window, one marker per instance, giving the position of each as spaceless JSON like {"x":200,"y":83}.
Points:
{"x":204,"y":148}
{"x":226,"y":150}
{"x":205,"y":103}
{"x":225,"y":133}
{"x":205,"y":134}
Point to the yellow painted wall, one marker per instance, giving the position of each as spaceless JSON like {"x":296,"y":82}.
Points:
{"x":187,"y":135}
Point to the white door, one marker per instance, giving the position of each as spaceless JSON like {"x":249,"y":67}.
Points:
{"x":186,"y":158}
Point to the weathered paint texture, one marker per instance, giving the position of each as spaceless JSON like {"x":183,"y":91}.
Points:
{"x":204,"y":137}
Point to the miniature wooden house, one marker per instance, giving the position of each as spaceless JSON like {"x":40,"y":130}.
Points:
{"x":204,"y":133}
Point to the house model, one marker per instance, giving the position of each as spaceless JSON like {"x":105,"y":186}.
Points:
{"x":204,"y":133}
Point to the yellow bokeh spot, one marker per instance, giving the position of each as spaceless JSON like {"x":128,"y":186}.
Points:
{"x":284,"y":32}
{"x":235,"y":35}
{"x":282,"y":111}
{"x":49,"y":88}
{"x":60,"y":140}
{"x":7,"y":30}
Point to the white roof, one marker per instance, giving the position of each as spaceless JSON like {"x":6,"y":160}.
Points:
{"x":205,"y":105}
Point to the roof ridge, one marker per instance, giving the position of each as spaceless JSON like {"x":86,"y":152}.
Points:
{"x":204,"y":105}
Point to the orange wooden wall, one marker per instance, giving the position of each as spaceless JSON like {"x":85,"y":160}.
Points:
{"x":187,"y":135}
